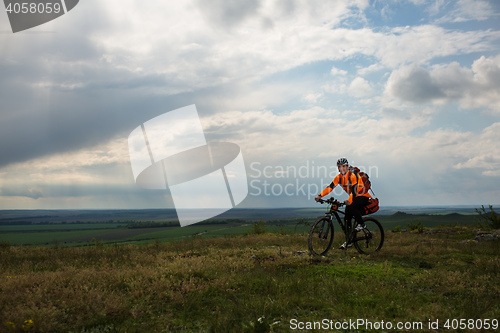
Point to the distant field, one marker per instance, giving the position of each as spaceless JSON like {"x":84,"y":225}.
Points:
{"x":80,"y":228}
{"x":135,"y":235}
{"x":402,"y":219}
{"x":58,"y":227}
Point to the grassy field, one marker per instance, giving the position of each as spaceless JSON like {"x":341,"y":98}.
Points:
{"x":252,"y":283}
{"x":36,"y":232}
{"x":110,"y":233}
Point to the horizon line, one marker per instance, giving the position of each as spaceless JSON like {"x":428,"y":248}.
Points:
{"x":239,"y":208}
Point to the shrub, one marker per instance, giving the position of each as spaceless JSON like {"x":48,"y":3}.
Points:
{"x":492,"y":219}
{"x":416,"y":227}
{"x":259,"y":228}
{"x":4,"y":246}
{"x":396,"y":228}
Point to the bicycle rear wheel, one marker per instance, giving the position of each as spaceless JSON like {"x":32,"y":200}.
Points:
{"x":371,"y":239}
{"x":321,"y":236}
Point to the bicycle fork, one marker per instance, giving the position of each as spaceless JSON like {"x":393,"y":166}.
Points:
{"x":321,"y":231}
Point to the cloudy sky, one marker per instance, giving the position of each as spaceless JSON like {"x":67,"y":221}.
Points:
{"x":408,"y":90}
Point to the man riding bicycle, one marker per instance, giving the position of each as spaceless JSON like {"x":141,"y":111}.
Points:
{"x":358,"y":196}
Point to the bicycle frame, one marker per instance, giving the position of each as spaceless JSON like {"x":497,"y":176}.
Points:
{"x":335,"y":212}
{"x":347,"y":225}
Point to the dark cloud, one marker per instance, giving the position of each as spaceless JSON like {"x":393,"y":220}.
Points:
{"x":396,"y":114}
{"x":414,"y":84}
{"x":111,"y":196}
{"x":477,"y":86}
{"x":72,"y":123}
{"x":287,"y":7}
{"x":36,"y":122}
{"x":228,"y":14}
{"x":21,"y":191}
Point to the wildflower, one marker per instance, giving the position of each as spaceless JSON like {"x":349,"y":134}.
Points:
{"x":27,"y":324}
{"x":10,"y":324}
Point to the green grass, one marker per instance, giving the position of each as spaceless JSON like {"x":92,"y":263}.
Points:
{"x":41,"y":238}
{"x":78,"y":234}
{"x":391,"y":221}
{"x":177,"y":233}
{"x":253,"y":283}
{"x":57,"y":227}
{"x":81,"y":234}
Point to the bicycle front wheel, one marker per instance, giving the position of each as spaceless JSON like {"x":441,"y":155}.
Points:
{"x":321,"y":236}
{"x":371,"y":238}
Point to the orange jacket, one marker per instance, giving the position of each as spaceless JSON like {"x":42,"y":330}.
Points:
{"x":351,"y":183}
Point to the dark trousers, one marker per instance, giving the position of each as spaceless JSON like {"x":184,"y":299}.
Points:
{"x":356,"y":209}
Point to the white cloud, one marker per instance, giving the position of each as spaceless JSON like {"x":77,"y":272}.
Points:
{"x":483,"y":152}
{"x":385,"y":140}
{"x":336,"y":87}
{"x":418,"y":2}
{"x":469,"y":10}
{"x":211,"y":41}
{"x":478,"y":86}
{"x":370,"y":69}
{"x":269,"y":136}
{"x":335,"y":71}
{"x":182,"y":47}
{"x":291,"y":138}
{"x":420,"y":44}
{"x":313,"y":97}
{"x":359,"y":87}
{"x":81,"y":167}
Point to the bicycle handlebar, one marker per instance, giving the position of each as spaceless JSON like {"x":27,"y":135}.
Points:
{"x":331,"y":201}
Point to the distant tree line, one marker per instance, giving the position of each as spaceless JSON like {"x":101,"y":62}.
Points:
{"x":151,"y":224}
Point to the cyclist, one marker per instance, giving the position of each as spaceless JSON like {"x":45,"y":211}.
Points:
{"x":354,"y":187}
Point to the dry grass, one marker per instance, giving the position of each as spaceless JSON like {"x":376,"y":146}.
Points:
{"x":255,"y":283}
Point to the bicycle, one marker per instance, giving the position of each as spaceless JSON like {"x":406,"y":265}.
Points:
{"x":366,"y":241}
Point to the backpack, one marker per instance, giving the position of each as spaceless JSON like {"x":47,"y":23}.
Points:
{"x":373,"y":203}
{"x":364,"y":176}
{"x":372,"y":207}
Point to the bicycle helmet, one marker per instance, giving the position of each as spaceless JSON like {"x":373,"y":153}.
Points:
{"x":342,"y":161}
